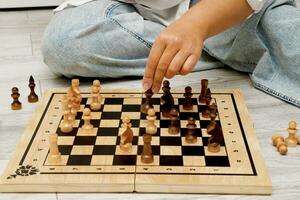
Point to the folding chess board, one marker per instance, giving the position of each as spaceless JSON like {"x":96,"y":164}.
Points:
{"x":93,"y":162}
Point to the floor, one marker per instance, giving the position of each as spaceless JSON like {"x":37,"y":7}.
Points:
{"x":20,"y":57}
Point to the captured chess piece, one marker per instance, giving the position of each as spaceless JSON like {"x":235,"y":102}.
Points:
{"x":174,"y":122}
{"x":96,"y":96}
{"x":278,"y":142}
{"x":188,"y":104}
{"x":16,"y":104}
{"x":167,"y":99}
{"x":87,"y":117}
{"x":148,"y":102}
{"x":147,"y":155}
{"x":206,"y":112}
{"x":292,"y":139}
{"x":32,"y":97}
{"x":204,"y":85}
{"x":66,"y":125}
{"x":151,"y":128}
{"x":54,"y":154}
{"x":190,"y":136}
{"x":127,"y":135}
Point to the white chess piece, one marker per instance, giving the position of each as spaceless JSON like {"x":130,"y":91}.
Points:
{"x":96,"y":96}
{"x":67,"y":123}
{"x":54,"y":154}
{"x":87,"y":120}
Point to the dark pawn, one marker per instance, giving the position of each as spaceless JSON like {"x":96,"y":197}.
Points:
{"x":213,"y":115}
{"x":174,"y":125}
{"x":32,"y":97}
{"x":16,"y":104}
{"x":191,"y":128}
{"x":206,"y":112}
{"x":167,"y":99}
{"x":148,"y":103}
{"x":204,"y":85}
{"x":187,"y":104}
{"x":147,"y":155}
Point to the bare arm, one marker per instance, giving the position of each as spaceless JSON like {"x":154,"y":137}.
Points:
{"x":178,"y":48}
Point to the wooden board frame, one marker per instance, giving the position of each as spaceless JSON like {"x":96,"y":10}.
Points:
{"x":257,"y":183}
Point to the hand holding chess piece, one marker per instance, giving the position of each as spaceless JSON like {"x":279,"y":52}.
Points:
{"x":96,"y":96}
{"x":16,"y":104}
{"x":127,"y":135}
{"x":292,"y":139}
{"x":278,"y":142}
{"x":148,"y":102}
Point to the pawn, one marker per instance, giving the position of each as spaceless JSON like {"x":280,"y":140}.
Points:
{"x":148,"y":103}
{"x":32,"y":97}
{"x":278,"y":142}
{"x":151,"y":128}
{"x":174,"y":125}
{"x":87,"y":120}
{"x":147,"y":155}
{"x":292,"y":139}
{"x":127,"y":135}
{"x":206,"y":112}
{"x":190,"y":135}
{"x":187,"y":104}
{"x":96,"y":96}
{"x":54,"y":154}
{"x":16,"y":104}
{"x":213,"y":115}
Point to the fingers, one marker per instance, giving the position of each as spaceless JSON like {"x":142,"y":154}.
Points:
{"x":176,"y":64}
{"x":154,"y":57}
{"x":189,"y":64}
{"x":162,"y":66}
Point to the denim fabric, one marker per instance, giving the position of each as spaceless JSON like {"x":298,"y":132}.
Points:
{"x":106,"y":38}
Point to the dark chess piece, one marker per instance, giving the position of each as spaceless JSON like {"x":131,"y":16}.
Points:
{"x":206,"y":112}
{"x":147,"y":155}
{"x":187,"y":104}
{"x":174,"y":125}
{"x":215,"y":139}
{"x":16,"y":104}
{"x":32,"y":97}
{"x":191,"y":128}
{"x":167,"y":99}
{"x":148,"y":102}
{"x":204,"y":85}
{"x":213,"y":115}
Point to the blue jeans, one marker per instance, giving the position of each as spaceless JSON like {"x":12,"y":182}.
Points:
{"x":106,"y":38}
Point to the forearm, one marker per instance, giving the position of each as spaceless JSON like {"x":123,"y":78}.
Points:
{"x":214,"y":16}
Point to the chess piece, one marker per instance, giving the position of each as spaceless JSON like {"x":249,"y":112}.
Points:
{"x":74,"y":95}
{"x":16,"y":104}
{"x":187,"y":104}
{"x":213,"y":115}
{"x":32,"y":97}
{"x":127,"y":135}
{"x":54,"y":154}
{"x":67,"y":123}
{"x":174,"y":125}
{"x":148,"y":103}
{"x":204,"y":85}
{"x":151,"y":128}
{"x":206,"y":111}
{"x":298,"y":141}
{"x":292,"y":139}
{"x":167,"y":99}
{"x":278,"y":142}
{"x":214,"y":141}
{"x":147,"y":155}
{"x":87,"y":126}
{"x":190,"y":135}
{"x":96,"y":96}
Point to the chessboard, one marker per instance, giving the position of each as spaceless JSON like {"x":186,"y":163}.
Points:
{"x":94,"y":162}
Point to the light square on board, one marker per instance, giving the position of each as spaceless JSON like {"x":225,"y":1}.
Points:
{"x":119,"y":151}
{"x":170,"y":150}
{"x":112,"y":108}
{"x":144,"y":122}
{"x":222,"y":152}
{"x":154,"y":163}
{"x":154,"y":141}
{"x":84,"y":132}
{"x":102,"y":160}
{"x":96,"y":115}
{"x":207,"y":118}
{"x":204,"y":132}
{"x":65,"y":140}
{"x":131,"y":115}
{"x":89,"y":101}
{"x":82,"y":150}
{"x":194,"y":161}
{"x":109,"y":123}
{"x":106,"y":140}
{"x":76,"y":123}
{"x":132,"y":101}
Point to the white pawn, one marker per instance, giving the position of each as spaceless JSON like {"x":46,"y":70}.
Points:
{"x":151,"y":128}
{"x":96,"y":96}
{"x":54,"y":154}
{"x":292,"y":140}
{"x":87,"y":119}
{"x":66,"y":124}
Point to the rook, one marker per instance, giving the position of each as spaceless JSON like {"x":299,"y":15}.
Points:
{"x":187,"y":104}
{"x":204,"y":85}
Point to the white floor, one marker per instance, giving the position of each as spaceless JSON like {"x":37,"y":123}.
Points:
{"x":20,"y":57}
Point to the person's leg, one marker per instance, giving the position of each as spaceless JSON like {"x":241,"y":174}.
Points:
{"x":102,"y":38}
{"x":268,"y":46}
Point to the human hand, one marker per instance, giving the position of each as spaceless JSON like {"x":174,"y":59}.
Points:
{"x":176,"y":50}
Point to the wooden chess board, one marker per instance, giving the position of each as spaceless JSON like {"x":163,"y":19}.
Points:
{"x":94,"y":162}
